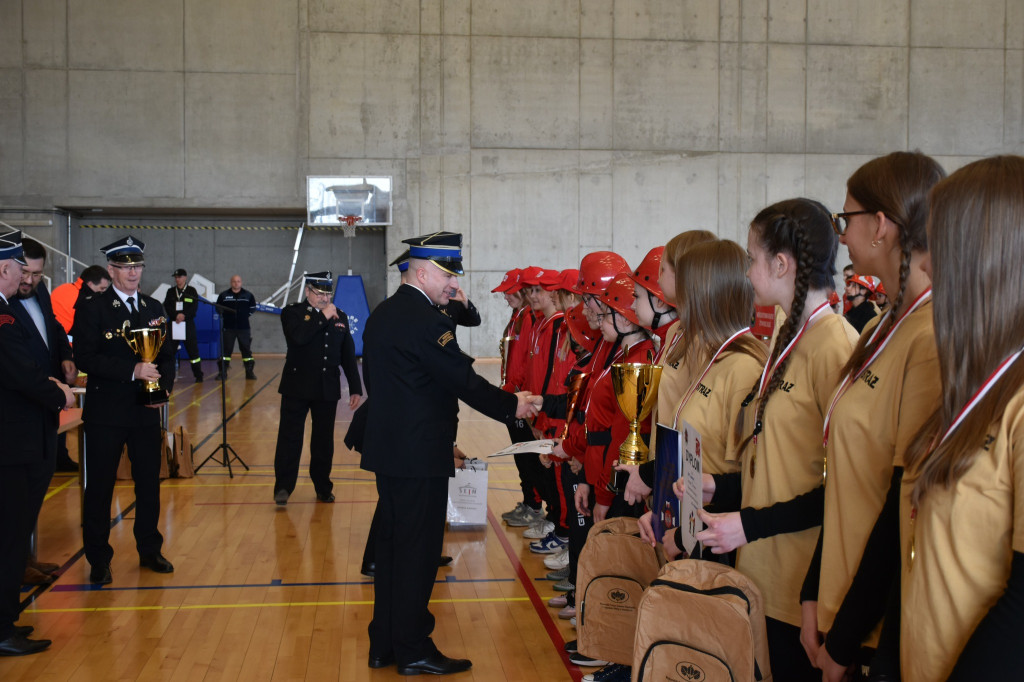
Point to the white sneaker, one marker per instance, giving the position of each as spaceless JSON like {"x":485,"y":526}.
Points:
{"x":539,"y":530}
{"x":557,"y":560}
{"x":518,"y":511}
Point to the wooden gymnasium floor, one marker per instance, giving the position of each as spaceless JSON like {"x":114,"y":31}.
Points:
{"x":265,"y":594}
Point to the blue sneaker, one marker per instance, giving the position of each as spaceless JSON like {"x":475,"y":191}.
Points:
{"x":550,"y":544}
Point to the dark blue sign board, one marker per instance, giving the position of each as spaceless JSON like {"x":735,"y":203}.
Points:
{"x":350,"y":296}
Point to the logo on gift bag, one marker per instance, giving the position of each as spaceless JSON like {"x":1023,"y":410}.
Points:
{"x":689,"y":671}
{"x":467,"y":489}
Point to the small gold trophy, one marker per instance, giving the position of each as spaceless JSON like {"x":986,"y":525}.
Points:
{"x":146,"y":343}
{"x":503,"y":350}
{"x":572,"y":399}
{"x":636,"y":389}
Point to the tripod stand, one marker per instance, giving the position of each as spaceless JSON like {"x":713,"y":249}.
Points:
{"x":228,"y":453}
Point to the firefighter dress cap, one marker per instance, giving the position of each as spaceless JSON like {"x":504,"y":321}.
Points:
{"x":10,"y":246}
{"x":127,"y":250}
{"x":443,"y":249}
{"x":322,"y":282}
{"x":402,"y":261}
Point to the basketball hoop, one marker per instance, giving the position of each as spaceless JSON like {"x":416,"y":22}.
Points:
{"x":348,"y":224}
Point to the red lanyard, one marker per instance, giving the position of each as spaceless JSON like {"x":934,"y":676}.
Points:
{"x":590,"y":394}
{"x":667,"y":348}
{"x":925,"y":296}
{"x":538,"y":330}
{"x":693,"y":387}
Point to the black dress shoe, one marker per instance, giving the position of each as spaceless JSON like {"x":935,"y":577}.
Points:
{"x":369,"y":570}
{"x":281,"y":497}
{"x":156,"y":563}
{"x":381,"y":661}
{"x":325,"y":497}
{"x":100,"y":575}
{"x":17,"y":645}
{"x":436,"y":664}
{"x":445,"y":560}
{"x":23,"y":630}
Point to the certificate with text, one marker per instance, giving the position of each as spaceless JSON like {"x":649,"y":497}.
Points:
{"x":692,"y":473}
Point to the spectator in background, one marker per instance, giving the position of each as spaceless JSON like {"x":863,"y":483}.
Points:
{"x":94,"y":280}
{"x":848,"y":272}
{"x":859,"y":290}
{"x":180,"y":304}
{"x":235,"y":324}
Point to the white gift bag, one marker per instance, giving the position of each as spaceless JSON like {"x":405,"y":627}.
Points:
{"x":467,"y":495}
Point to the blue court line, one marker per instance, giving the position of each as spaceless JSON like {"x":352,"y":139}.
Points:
{"x":89,"y":587}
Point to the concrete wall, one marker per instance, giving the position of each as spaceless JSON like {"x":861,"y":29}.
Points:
{"x":541,"y":129}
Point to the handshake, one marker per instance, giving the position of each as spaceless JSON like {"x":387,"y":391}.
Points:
{"x":529,"y":404}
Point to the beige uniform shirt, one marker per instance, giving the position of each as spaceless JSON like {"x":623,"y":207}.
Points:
{"x":964,"y":538}
{"x":871,"y":427}
{"x":788,"y":459}
{"x":713,"y":408}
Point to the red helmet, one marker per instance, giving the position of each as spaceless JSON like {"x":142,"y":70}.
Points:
{"x":597,"y":270}
{"x":564,"y":280}
{"x":867,"y":281}
{"x":619,"y":296}
{"x":647,"y":274}
{"x":509,"y":283}
{"x":580,"y":328}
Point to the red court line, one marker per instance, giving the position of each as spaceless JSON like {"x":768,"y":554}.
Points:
{"x":538,"y":604}
{"x":227,"y":504}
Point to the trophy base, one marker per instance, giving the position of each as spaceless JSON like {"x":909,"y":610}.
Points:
{"x":157,"y":397}
{"x":617,"y":481}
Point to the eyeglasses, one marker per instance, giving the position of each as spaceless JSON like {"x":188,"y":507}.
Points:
{"x":840,"y":222}
{"x":130,"y":268}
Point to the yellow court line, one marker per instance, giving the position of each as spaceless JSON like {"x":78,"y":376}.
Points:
{"x":195,"y":401}
{"x":192,"y":607}
{"x":62,"y":486}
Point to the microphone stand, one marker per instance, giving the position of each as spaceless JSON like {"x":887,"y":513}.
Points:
{"x":229,"y":453}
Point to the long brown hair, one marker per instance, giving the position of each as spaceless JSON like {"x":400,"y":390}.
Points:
{"x":897,"y":185}
{"x":801,"y":228}
{"x":674,"y":250}
{"x":977,"y":237}
{"x":715,"y":299}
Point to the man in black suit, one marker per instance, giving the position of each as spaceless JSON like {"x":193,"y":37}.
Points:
{"x":114,"y":413}
{"x":30,"y":403}
{"x":181,"y":303}
{"x":50,"y":348}
{"x":319,"y":342}
{"x":416,"y":375}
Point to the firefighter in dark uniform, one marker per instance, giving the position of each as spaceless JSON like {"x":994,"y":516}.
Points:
{"x":114,"y":413}
{"x":417,"y":373}
{"x":319,"y":343}
{"x":180,"y":304}
{"x":235,"y":326}
{"x":29,"y":407}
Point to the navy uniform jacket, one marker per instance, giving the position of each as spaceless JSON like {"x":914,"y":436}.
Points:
{"x":30,"y":403}
{"x":189,"y":303}
{"x":317,"y":347}
{"x":111,"y":395}
{"x":415,"y":375}
{"x":59,"y":349}
{"x":462,"y":314}
{"x":242,"y":306}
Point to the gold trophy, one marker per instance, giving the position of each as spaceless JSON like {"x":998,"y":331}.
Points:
{"x":503,"y":350}
{"x":572,"y":399}
{"x":636,"y":389}
{"x":146,"y":343}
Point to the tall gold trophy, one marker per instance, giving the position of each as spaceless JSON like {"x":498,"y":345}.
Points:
{"x":503,"y":350}
{"x":636,"y":389}
{"x":146,"y":343}
{"x":572,"y":399}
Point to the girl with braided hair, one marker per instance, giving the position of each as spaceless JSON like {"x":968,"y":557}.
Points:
{"x":888,"y":388}
{"x":791,"y":249}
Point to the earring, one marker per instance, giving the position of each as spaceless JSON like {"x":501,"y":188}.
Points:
{"x":875,"y":242}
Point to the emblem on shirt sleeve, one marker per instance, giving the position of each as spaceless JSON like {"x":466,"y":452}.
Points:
{"x":306,"y":318}
{"x":6,"y":319}
{"x":445,"y":339}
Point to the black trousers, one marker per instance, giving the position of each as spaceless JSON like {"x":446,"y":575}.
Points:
{"x":289,"y":443}
{"x":409,"y":541}
{"x":103,"y":446}
{"x":528,"y":466}
{"x":19,"y":490}
{"x":787,"y":656}
{"x":40,"y":484}
{"x":244,"y":337}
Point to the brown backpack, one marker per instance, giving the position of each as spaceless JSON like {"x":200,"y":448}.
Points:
{"x":614,"y":568}
{"x":701,"y":621}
